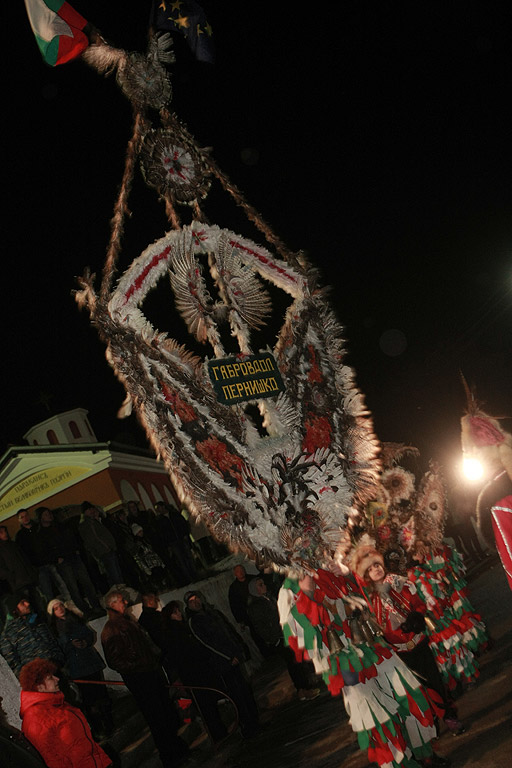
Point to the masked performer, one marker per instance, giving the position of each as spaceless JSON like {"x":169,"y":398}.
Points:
{"x":387,"y":707}
{"x":455,"y":632}
{"x":483,"y":437}
{"x":401,"y":614}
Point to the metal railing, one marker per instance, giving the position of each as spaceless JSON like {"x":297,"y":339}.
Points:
{"x":180,"y":686}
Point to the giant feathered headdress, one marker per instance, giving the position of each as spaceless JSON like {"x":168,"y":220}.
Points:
{"x":286,"y":492}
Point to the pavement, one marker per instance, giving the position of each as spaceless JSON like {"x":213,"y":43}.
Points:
{"x":316,"y":733}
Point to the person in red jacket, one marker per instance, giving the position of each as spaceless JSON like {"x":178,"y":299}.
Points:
{"x":401,"y":615}
{"x":58,"y":731}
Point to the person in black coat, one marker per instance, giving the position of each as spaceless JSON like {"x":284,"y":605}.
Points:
{"x":151,"y":618}
{"x":174,"y":532}
{"x":264,"y":615}
{"x":226,"y":653}
{"x":187,"y":659}
{"x":50,"y":583}
{"x":83,"y":662}
{"x":16,"y":569}
{"x":57,"y":545}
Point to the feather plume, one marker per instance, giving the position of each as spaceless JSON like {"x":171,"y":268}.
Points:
{"x":104,"y":58}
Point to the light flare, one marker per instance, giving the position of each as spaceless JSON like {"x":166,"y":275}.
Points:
{"x":472,"y":468}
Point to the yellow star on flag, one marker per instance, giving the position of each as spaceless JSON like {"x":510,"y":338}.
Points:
{"x":182,"y":21}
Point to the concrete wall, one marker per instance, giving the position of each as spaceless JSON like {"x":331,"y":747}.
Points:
{"x":215,"y":589}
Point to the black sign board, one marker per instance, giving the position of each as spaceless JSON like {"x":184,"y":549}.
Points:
{"x":237,"y":379}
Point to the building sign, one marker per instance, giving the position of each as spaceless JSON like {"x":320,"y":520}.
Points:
{"x":38,"y":486}
{"x":235,"y":381}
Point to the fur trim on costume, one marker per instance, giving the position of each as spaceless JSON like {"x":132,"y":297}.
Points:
{"x":364,"y":557}
{"x":484,"y":435}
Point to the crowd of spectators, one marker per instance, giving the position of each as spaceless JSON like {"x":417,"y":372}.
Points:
{"x":80,"y":556}
{"x":52,"y":575}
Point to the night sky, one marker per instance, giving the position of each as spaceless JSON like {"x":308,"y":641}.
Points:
{"x":376,"y":136}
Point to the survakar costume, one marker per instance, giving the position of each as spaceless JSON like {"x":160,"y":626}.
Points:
{"x":388,"y":709}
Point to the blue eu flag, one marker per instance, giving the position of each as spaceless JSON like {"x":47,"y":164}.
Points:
{"x":188,"y":18}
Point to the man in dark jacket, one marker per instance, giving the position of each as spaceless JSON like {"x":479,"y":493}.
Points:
{"x":100,"y":543}
{"x":151,"y":618}
{"x":186,"y":658}
{"x":15,"y":567}
{"x":226,"y":653}
{"x":50,"y":583}
{"x":238,"y":597}
{"x":56,"y":545}
{"x":264,"y":615}
{"x":174,"y":532}
{"x":128,"y":650}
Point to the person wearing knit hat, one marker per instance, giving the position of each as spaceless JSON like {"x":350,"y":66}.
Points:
{"x":68,"y":605}
{"x":11,"y":602}
{"x":364,"y":557}
{"x":83,"y":662}
{"x":58,"y":731}
{"x":400,"y":613}
{"x":25,"y":636}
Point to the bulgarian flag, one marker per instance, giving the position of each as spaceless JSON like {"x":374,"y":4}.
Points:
{"x":58,"y":29}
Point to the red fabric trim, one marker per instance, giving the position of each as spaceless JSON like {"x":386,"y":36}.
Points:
{"x":435,"y":701}
{"x":294,"y":645}
{"x":315,"y":612}
{"x":71,"y":17}
{"x":137,"y":283}
{"x":71,"y":47}
{"x":502,"y":526}
{"x":263,"y":259}
{"x":379,"y":750}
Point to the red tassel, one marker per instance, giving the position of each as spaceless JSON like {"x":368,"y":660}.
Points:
{"x":435,"y":701}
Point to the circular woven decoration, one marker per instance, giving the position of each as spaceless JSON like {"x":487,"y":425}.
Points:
{"x":145,"y":82}
{"x":173,"y":167}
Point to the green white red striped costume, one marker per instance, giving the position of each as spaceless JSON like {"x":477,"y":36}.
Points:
{"x":459,"y":632}
{"x":388,"y":709}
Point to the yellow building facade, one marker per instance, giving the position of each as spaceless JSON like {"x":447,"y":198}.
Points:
{"x":71,"y":467}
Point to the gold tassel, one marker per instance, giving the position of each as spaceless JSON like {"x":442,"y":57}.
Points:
{"x":430,"y":624}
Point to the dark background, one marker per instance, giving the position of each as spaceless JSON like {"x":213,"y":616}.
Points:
{"x":373,"y":135}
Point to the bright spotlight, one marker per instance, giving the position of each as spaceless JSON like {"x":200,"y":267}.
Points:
{"x":473,"y":469}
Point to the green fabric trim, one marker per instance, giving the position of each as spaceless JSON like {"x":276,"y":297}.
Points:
{"x":363,"y":739}
{"x":409,"y":762}
{"x":423,"y":751}
{"x":49,"y":50}
{"x":291,"y":584}
{"x":55,"y":5}
{"x":311,"y":633}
